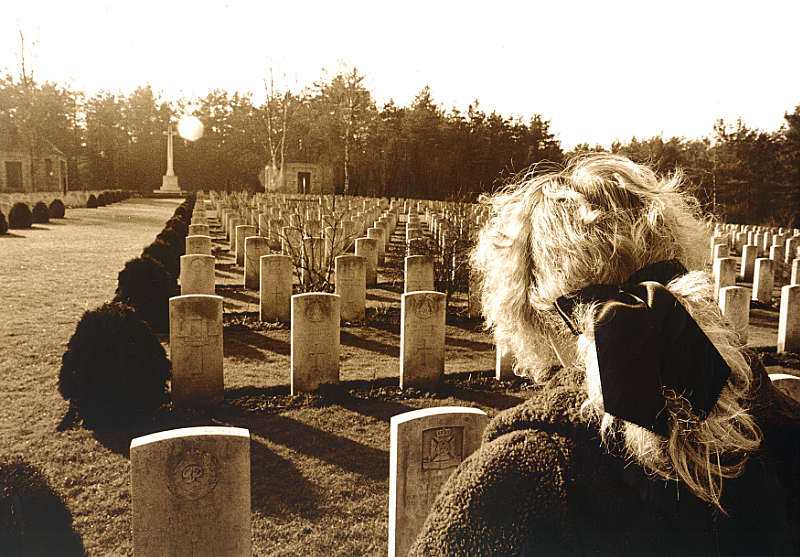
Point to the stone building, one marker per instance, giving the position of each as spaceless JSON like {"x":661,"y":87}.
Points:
{"x":49,"y":169}
{"x":298,"y":177}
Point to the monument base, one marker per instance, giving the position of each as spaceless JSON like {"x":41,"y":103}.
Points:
{"x":169,"y":184}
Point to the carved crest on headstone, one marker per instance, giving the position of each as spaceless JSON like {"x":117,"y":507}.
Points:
{"x":426,"y":307}
{"x":192,"y":473}
{"x":442,"y":447}
{"x":314,"y":311}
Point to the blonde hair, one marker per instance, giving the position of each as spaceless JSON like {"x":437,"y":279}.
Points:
{"x":596,"y":222}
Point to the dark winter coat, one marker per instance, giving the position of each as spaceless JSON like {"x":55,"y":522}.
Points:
{"x":542,"y":484}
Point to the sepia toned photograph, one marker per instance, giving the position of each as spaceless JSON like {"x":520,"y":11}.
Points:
{"x":416,"y":279}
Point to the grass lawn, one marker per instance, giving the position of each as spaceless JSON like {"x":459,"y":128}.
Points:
{"x":319,"y":465}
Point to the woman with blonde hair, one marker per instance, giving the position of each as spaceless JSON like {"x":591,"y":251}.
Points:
{"x":654,"y":431}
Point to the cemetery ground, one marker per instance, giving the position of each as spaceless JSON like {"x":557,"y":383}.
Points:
{"x":319,"y":463}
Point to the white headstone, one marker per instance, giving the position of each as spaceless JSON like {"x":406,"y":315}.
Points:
{"x":200,"y":245}
{"x":315,"y":341}
{"x":418,"y":273}
{"x":422,"y":339}
{"x":763,"y":280}
{"x":243,"y":231}
{"x":351,"y":286}
{"x":197,"y":274}
{"x":190,"y":493}
{"x":425,"y":448}
{"x":789,"y":320}
{"x":368,"y":249}
{"x":734,"y":302}
{"x":254,"y":248}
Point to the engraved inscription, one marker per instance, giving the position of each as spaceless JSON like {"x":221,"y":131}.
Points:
{"x":192,"y":473}
{"x":442,"y":447}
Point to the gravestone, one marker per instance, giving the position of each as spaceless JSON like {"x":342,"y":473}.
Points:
{"x":724,"y":270}
{"x":789,"y":320}
{"x":749,"y":253}
{"x":199,"y":230}
{"x":763,"y":280}
{"x":504,"y":363}
{"x":243,"y":231}
{"x":734,"y":302}
{"x":422,"y":339}
{"x":721,"y":250}
{"x":315,"y":341}
{"x":199,"y":245}
{"x":418,"y":273}
{"x":254,"y":248}
{"x":425,"y":448}
{"x":368,"y":249}
{"x":789,"y":384}
{"x":190,"y":493}
{"x":351,"y":286}
{"x":230,"y":233}
{"x":197,"y":274}
{"x":378,"y":235}
{"x":195,"y":346}
{"x":795,"y":276}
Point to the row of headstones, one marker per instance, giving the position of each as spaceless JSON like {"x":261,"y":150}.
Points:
{"x":734,"y":301}
{"x":190,"y":487}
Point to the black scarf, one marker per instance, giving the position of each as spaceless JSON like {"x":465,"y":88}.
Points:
{"x":648,"y":345}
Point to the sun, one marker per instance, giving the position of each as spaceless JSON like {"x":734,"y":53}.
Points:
{"x":190,"y":128}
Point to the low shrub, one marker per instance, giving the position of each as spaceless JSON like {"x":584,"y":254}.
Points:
{"x":114,"y":369}
{"x":91,"y":202}
{"x":33,"y":517}
{"x":173,"y":238}
{"x":3,"y":223}
{"x":166,"y":254}
{"x":57,"y":209}
{"x":146,"y":285}
{"x":40,"y":213}
{"x":103,"y":199}
{"x":180,"y":226}
{"x":20,"y":216}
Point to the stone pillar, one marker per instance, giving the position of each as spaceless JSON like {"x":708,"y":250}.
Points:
{"x":724,"y":274}
{"x":351,"y":286}
{"x":275,"y":291}
{"x":190,"y":493}
{"x":748,"y":262}
{"x":199,"y":230}
{"x":763,"y":280}
{"x":377,"y":234}
{"x":243,"y":231}
{"x":422,"y":339}
{"x":789,"y":320}
{"x":418,"y":273}
{"x":195,"y":346}
{"x":254,"y":248}
{"x":315,"y":341}
{"x":197,"y":274}
{"x":198,"y":245}
{"x":425,"y":447}
{"x":734,"y":302}
{"x":504,"y":363}
{"x":367,"y":248}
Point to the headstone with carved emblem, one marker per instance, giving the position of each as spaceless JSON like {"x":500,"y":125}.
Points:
{"x":190,"y":493}
{"x":315,"y":341}
{"x":351,"y":286}
{"x":426,"y":446}
{"x":197,"y":274}
{"x":195,"y":346}
{"x":422,"y":333}
{"x":243,"y":231}
{"x":418,"y":273}
{"x":200,"y":245}
{"x":254,"y":248}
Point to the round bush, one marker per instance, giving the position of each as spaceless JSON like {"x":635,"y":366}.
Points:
{"x":180,"y":226}
{"x":40,"y":213}
{"x":114,"y":369}
{"x":91,"y":202}
{"x":146,"y":285}
{"x":104,"y":199}
{"x":57,"y":209}
{"x":173,"y":238}
{"x":33,"y":518}
{"x":20,"y":216}
{"x":166,"y":254}
{"x":3,"y":223}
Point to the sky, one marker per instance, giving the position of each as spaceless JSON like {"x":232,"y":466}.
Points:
{"x":598,"y":71}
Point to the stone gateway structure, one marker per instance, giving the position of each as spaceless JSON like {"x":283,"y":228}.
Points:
{"x":298,"y":177}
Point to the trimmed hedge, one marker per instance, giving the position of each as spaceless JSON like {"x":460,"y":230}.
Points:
{"x":3,"y":223}
{"x":91,"y":202}
{"x":34,"y":519}
{"x":20,"y":216}
{"x":146,"y":285}
{"x":40,"y":213}
{"x":57,"y":209}
{"x":166,"y":254}
{"x":114,"y":369}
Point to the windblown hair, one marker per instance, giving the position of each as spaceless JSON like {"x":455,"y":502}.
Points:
{"x":596,"y":222}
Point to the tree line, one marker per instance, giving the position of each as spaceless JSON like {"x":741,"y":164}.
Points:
{"x":115,"y":140}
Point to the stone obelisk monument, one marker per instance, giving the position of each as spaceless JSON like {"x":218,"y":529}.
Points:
{"x":169,"y":182}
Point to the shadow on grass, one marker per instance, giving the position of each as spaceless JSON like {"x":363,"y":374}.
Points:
{"x":237,"y":294}
{"x":244,"y":343}
{"x":10,"y":235}
{"x":469,"y":344}
{"x":356,"y":341}
{"x":377,"y":298}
